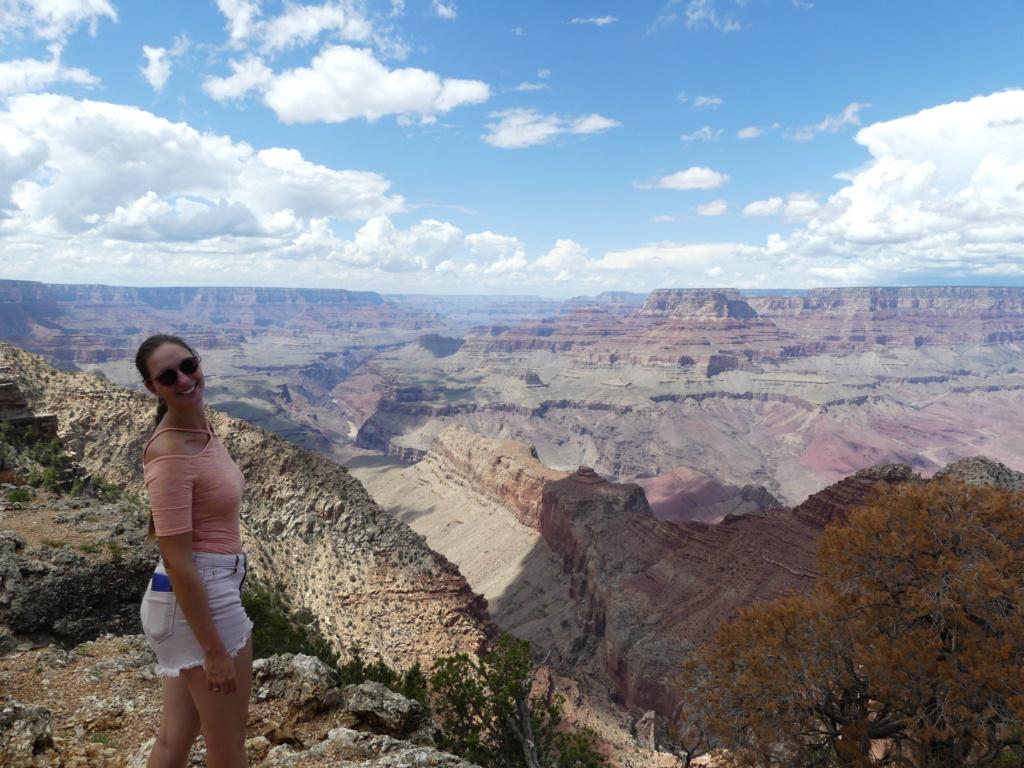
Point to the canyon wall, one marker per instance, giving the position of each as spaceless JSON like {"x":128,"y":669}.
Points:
{"x":616,"y":596}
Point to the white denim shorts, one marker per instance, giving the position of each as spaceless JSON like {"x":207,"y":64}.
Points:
{"x":164,"y":623}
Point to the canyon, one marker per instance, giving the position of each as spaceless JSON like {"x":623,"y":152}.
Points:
{"x":788,"y":391}
{"x":610,"y":477}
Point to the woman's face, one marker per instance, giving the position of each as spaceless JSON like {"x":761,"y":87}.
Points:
{"x":187,"y":389}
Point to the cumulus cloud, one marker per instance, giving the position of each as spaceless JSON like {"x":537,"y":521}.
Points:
{"x":943,"y":196}
{"x":31,"y":75}
{"x":343,"y":83}
{"x":831,"y":124}
{"x":242,"y":18}
{"x":751,"y":132}
{"x":564,"y":256}
{"x":518,"y":128}
{"x":158,"y":63}
{"x":707,"y":133}
{"x":303,"y":24}
{"x":696,"y":177}
{"x":52,"y":19}
{"x":797,"y":206}
{"x":90,"y":179}
{"x":380,"y":245}
{"x":598,"y":21}
{"x":714,"y":208}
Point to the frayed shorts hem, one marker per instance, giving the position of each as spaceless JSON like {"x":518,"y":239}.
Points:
{"x":160,"y":671}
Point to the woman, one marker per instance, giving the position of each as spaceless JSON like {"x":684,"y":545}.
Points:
{"x":192,"y":612}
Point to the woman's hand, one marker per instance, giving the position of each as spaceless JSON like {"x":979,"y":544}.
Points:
{"x":220,"y":672}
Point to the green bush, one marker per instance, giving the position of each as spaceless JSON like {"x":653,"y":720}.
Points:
{"x":491,"y":718}
{"x":278,"y":628}
{"x":19,"y":494}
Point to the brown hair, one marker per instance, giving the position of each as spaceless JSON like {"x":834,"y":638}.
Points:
{"x":147,"y":348}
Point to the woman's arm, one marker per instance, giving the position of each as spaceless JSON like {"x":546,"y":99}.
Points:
{"x":190,"y":592}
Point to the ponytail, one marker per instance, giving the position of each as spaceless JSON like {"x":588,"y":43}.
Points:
{"x":161,"y":411}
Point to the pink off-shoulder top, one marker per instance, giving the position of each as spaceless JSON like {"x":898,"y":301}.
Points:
{"x":201,"y":493}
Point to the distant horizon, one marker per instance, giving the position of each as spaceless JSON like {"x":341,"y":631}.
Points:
{"x":515,"y":296}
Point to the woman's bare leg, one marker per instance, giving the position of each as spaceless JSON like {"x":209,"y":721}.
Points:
{"x":179,"y":726}
{"x":223,"y":717}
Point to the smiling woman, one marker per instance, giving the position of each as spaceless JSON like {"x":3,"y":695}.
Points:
{"x":192,"y":612}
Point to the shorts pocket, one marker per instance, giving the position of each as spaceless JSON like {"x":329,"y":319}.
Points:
{"x":157,"y":614}
{"x":212,"y":574}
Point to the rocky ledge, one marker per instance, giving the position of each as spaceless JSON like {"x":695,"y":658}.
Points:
{"x":97,"y":705}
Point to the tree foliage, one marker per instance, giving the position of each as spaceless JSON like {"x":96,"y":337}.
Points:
{"x":491,"y":718}
{"x":909,"y":652}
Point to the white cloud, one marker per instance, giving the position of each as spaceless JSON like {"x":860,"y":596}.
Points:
{"x":488,"y":248}
{"x":303,"y":24}
{"x":696,"y":177}
{"x":443,"y":10}
{"x":115,"y":189}
{"x":518,"y":128}
{"x":599,"y":21}
{"x":566,"y":255}
{"x":531,"y":87}
{"x":343,"y":83}
{"x":664,"y":218}
{"x":52,"y":19}
{"x":242,"y":16}
{"x":158,"y":67}
{"x":943,"y":195}
{"x":714,"y":208}
{"x":250,"y":74}
{"x":798,"y":206}
{"x":707,"y":133}
{"x":31,"y":75}
{"x":707,"y":102}
{"x":703,"y":13}
{"x":751,"y":132}
{"x":773,"y":206}
{"x":831,"y":124}
{"x":158,"y":63}
{"x":380,"y":245}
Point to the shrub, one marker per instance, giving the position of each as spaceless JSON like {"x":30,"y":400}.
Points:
{"x":19,"y":494}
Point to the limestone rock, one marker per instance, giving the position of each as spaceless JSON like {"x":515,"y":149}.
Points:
{"x":381,"y":710}
{"x":304,"y":683}
{"x":24,"y":733}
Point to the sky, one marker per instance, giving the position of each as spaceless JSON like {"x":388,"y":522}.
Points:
{"x":486,"y":147}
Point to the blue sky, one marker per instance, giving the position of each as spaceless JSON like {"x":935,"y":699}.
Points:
{"x":447,"y":146}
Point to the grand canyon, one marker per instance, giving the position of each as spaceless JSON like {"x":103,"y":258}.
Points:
{"x":615,"y":475}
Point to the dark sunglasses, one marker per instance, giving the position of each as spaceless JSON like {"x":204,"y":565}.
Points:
{"x":188,"y":366}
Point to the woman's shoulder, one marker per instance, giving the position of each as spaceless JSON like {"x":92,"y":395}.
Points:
{"x":175,"y":442}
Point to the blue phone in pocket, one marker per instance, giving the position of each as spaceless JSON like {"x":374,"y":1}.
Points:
{"x":161,"y":583}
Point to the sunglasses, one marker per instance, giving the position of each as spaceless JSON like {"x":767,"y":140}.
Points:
{"x":188,"y":366}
